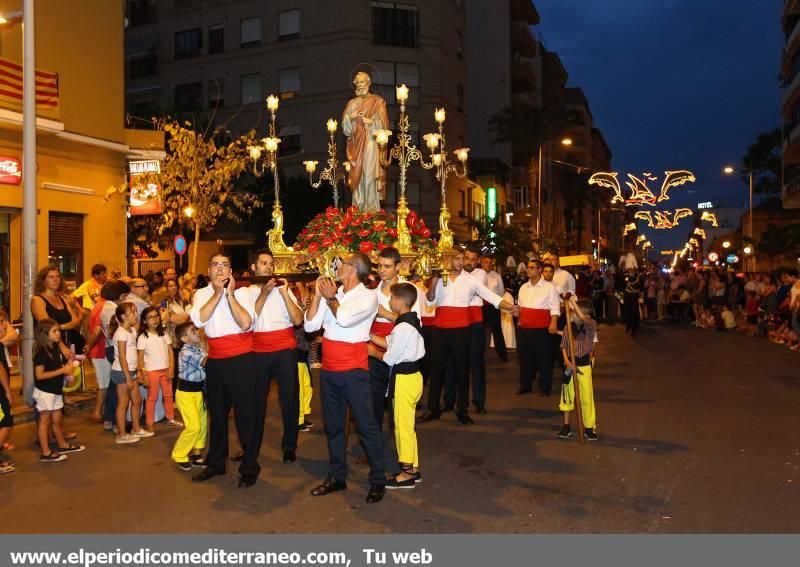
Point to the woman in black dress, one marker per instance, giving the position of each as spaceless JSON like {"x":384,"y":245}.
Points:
{"x":50,"y":303}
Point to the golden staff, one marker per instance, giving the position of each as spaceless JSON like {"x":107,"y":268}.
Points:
{"x":571,"y":350}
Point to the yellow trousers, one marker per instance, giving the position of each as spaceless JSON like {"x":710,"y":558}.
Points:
{"x":567,"y":403}
{"x":195,"y":422}
{"x":305,"y":391}
{"x":407,"y":392}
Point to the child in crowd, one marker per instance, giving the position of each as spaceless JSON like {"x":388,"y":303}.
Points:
{"x":404,"y":350}
{"x":189,"y":398}
{"x":6,"y":419}
{"x":156,"y":366}
{"x":584,"y":332}
{"x":8,"y":336}
{"x":661,"y":299}
{"x":50,"y":369}
{"x":728,"y":318}
{"x":751,"y":310}
{"x":123,"y":373}
{"x":303,"y":373}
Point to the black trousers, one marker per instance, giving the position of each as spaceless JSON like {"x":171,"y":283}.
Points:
{"x":378,"y":384}
{"x":630,"y":312}
{"x":280,"y":366}
{"x":231,"y":382}
{"x":447,"y":343}
{"x":340,"y":389}
{"x":535,"y":353}
{"x":491,"y":324}
{"x":477,"y":363}
{"x":450,"y":384}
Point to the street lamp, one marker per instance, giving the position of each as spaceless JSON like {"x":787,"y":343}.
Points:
{"x":748,"y":250}
{"x":726,"y":244}
{"x":188,"y":211}
{"x":565,"y":141}
{"x":729,"y":170}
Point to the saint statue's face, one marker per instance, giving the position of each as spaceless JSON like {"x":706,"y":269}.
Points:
{"x":361,"y":84}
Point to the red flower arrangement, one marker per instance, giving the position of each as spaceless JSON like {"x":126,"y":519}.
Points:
{"x":359,"y":231}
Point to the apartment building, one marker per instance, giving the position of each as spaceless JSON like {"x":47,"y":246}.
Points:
{"x":223,"y":57}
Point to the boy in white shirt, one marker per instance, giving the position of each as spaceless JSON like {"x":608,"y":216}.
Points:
{"x":404,"y":349}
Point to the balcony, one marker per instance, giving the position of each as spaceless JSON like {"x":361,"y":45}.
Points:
{"x":791,"y":90}
{"x":389,"y":94}
{"x":524,"y":10}
{"x":522,"y":39}
{"x":523,"y":75}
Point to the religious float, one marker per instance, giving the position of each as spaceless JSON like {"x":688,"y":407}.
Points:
{"x":365,"y":226}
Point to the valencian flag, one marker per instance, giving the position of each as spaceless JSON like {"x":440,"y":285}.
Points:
{"x":11,"y":87}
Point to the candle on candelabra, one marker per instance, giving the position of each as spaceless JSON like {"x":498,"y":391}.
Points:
{"x":382,"y":137}
{"x":272,"y":103}
{"x":439,"y":115}
{"x":432,"y":140}
{"x":437,"y":159}
{"x":332,"y":125}
{"x":311,"y":166}
{"x":271,"y":144}
{"x":402,"y":93}
{"x":254,"y":151}
{"x":462,"y":154}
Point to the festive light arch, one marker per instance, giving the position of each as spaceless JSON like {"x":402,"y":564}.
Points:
{"x":709,"y":217}
{"x":640,"y":193}
{"x":663,"y":219}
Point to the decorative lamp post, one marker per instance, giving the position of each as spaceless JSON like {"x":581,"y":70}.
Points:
{"x":437,"y":144}
{"x":264,"y":157}
{"x":404,"y":152}
{"x":336,"y":171}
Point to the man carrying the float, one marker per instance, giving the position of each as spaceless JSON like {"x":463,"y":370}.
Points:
{"x":477,"y":335}
{"x":389,"y":273}
{"x":451,"y":334}
{"x":226,"y":316}
{"x":274,"y":344}
{"x":539,"y":309}
{"x":346,"y":315}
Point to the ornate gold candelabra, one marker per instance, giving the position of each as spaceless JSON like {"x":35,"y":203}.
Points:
{"x":336,"y":170}
{"x":436,"y":143}
{"x":265,"y":156}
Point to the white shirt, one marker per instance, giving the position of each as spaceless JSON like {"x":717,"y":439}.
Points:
{"x":274,"y":315}
{"x":140,"y":303}
{"x":564,"y":281}
{"x":542,"y":295}
{"x":156,"y":350}
{"x":221,"y":323}
{"x":481,"y":276}
{"x":460,"y":292}
{"x":405,"y":344}
{"x":383,"y":300}
{"x":131,"y":356}
{"x":353,"y":320}
{"x":495,"y":283}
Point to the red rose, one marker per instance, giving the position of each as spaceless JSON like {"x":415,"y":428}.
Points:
{"x":411,"y":219}
{"x":313,"y":247}
{"x":298,"y":246}
{"x":392,"y":232}
{"x":364,"y":232}
{"x":426,"y":232}
{"x":366,"y":246}
{"x":381,"y":246}
{"x":327,"y":242}
{"x":331,"y":213}
{"x":379,"y":227}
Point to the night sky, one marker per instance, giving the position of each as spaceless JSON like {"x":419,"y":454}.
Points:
{"x":673,"y":84}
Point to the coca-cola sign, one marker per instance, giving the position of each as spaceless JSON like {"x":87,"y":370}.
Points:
{"x":10,"y":170}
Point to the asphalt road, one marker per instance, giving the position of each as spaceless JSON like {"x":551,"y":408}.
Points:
{"x":699,"y":432}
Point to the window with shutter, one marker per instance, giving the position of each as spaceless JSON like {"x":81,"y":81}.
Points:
{"x":65,"y":242}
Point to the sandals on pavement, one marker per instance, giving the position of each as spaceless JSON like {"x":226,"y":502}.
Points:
{"x":7,"y":467}
{"x":70,"y":436}
{"x":8,"y":447}
{"x":52,"y":458}
{"x":72,"y":449}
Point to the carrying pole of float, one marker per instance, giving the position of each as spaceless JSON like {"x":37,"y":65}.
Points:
{"x":575,"y":385}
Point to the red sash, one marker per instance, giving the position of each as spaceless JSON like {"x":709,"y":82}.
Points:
{"x":381,"y":328}
{"x":273,"y":341}
{"x":475,"y":314}
{"x":534,"y":318}
{"x":230,"y":345}
{"x":452,"y":317}
{"x":339,"y":356}
{"x":429,"y":321}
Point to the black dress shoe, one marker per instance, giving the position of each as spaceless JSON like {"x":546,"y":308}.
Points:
{"x":522,"y":391}
{"x":465,"y":419}
{"x":289,"y":457}
{"x":481,"y":409}
{"x":375,"y":493}
{"x":247,"y":481}
{"x":206,"y":474}
{"x":429,"y":416}
{"x":446,"y":409}
{"x":238,"y":457}
{"x":328,"y":486}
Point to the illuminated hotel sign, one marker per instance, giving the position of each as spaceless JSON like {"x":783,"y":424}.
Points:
{"x":10,"y":171}
{"x":706,"y":205}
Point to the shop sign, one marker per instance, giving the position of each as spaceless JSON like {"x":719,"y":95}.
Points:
{"x":145,"y":198}
{"x":10,"y":171}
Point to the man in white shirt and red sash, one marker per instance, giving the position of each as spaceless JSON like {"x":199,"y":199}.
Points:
{"x":346,"y":315}
{"x":451,"y":335}
{"x":274,"y":344}
{"x":477,"y":335}
{"x":389,"y":273}
{"x":539,"y":309}
{"x":226,"y":316}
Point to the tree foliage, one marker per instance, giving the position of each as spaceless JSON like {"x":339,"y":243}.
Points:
{"x":502,"y":240}
{"x":763,"y":158}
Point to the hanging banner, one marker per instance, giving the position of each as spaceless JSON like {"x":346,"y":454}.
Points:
{"x":145,"y":198}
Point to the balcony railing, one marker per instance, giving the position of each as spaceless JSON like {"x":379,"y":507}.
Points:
{"x":389,"y":94}
{"x":522,"y":39}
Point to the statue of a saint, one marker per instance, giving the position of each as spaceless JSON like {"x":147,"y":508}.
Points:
{"x":363,"y":115}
